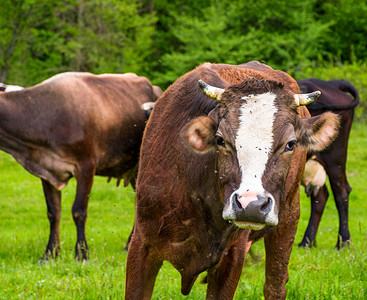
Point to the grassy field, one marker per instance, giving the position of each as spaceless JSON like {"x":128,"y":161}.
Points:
{"x":319,"y":273}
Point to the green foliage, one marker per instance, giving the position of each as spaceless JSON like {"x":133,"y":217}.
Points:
{"x":94,"y":35}
{"x":164,"y":39}
{"x":199,"y":40}
{"x":349,"y":28}
{"x":282,"y":34}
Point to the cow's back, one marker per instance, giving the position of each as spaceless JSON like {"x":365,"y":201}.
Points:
{"x":334,"y":93}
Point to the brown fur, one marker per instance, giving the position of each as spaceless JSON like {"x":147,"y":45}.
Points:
{"x":180,"y":193}
{"x":75,"y":124}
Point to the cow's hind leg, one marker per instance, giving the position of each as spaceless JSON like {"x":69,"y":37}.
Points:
{"x":53,"y":200}
{"x":335,"y":158}
{"x":318,"y":203}
{"x":341,"y":190}
{"x":84,"y":178}
{"x":142,"y":268}
{"x":223,"y":278}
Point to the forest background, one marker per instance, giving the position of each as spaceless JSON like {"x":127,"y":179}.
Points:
{"x":163,"y":39}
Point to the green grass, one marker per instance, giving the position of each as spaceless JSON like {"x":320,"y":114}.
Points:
{"x":318,"y":273}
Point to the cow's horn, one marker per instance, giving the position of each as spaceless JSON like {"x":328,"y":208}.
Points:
{"x":305,"y":99}
{"x":147,"y":106}
{"x":211,"y":91}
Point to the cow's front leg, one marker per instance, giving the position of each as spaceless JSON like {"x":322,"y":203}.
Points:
{"x":84,"y":178}
{"x":128,"y":241}
{"x":223,"y":278}
{"x":142,"y":268}
{"x":53,"y":201}
{"x":278,"y":248}
{"x":133,"y":184}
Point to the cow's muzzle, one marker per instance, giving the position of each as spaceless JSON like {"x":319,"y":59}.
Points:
{"x":251,"y":210}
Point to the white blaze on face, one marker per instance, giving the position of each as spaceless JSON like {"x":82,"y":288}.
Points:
{"x":254,"y":140}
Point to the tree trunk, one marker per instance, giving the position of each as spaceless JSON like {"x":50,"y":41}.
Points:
{"x":79,"y":54}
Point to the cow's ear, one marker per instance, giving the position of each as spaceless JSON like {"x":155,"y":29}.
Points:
{"x":200,"y":134}
{"x":319,"y":131}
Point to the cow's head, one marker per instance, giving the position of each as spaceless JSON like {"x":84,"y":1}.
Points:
{"x":255,"y":131}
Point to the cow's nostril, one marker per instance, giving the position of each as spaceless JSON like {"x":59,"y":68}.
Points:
{"x":266,"y":206}
{"x":235,"y":200}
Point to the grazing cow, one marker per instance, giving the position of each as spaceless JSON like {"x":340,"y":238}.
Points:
{"x":340,"y":97}
{"x":75,"y":125}
{"x":213,"y":178}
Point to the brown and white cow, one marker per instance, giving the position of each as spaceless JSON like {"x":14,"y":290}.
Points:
{"x":75,"y":125}
{"x":341,"y":97}
{"x":215,"y":177}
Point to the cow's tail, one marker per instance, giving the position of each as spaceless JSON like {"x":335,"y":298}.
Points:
{"x":347,"y":87}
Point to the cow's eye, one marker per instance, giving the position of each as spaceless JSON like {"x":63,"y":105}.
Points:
{"x":219,"y":141}
{"x":290,"y":145}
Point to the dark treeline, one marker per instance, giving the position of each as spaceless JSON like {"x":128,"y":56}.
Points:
{"x":163,"y":39}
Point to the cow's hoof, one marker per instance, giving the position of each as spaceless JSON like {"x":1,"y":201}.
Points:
{"x":343,"y":244}
{"x":307,"y":243}
{"x":44,"y":260}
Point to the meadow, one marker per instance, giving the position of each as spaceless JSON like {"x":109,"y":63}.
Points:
{"x":317,"y":273}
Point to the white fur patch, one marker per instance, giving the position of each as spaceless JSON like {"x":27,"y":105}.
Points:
{"x":13,"y":88}
{"x":254,"y":140}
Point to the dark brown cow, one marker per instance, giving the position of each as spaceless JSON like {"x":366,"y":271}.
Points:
{"x":214,"y":178}
{"x":75,"y":125}
{"x":336,"y":97}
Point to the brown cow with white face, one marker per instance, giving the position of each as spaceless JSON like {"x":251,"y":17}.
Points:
{"x":213,"y":178}
{"x":76,"y":125}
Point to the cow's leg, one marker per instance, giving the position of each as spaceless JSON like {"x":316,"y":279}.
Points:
{"x":278,"y":251}
{"x":142,"y":268}
{"x":318,"y":203}
{"x":53,"y":200}
{"x":84,"y":178}
{"x":223,"y":278}
{"x":335,"y":158}
{"x":341,"y":190}
{"x":278,"y":248}
{"x":133,"y":184}
{"x":128,"y":241}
